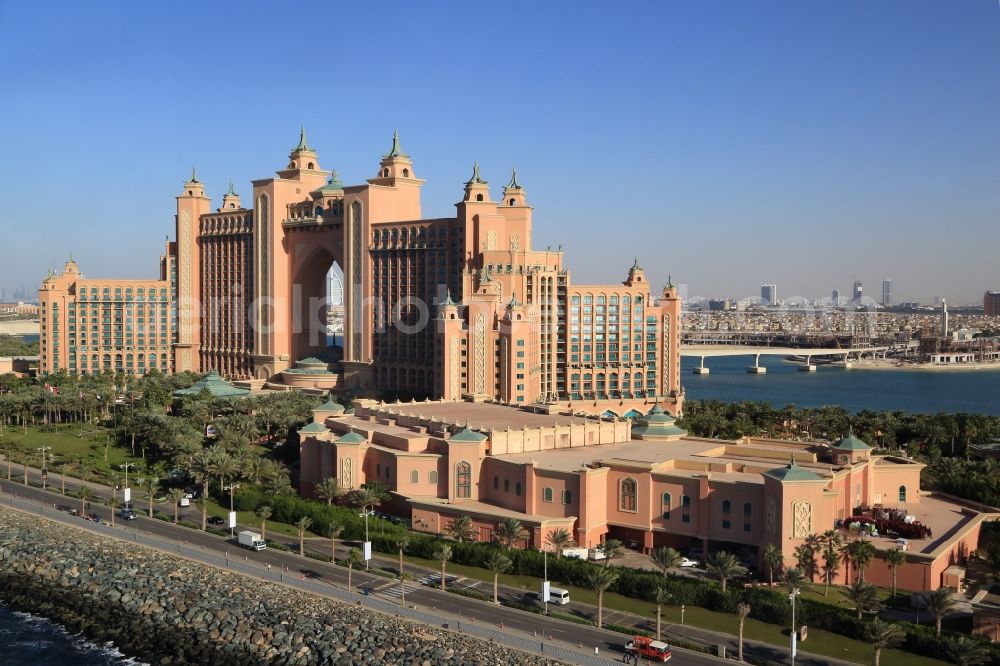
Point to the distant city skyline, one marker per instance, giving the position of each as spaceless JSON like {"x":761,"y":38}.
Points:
{"x":821,"y":156}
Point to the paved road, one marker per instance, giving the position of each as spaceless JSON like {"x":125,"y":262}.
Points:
{"x":566,"y":634}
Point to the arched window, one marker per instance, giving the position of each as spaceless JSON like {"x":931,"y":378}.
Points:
{"x":567,"y":497}
{"x":496,"y":483}
{"x":727,"y":514}
{"x":902,"y":493}
{"x":506,"y":485}
{"x":546,"y":494}
{"x":517,"y":488}
{"x":463,"y":480}
{"x":479,"y":197}
{"x":511,"y":202}
{"x":627,"y":490}
{"x":406,"y":173}
{"x":685,"y":508}
{"x":432,"y":477}
{"x":666,"y":506}
{"x":747,"y":516}
{"x":310,"y":166}
{"x":414,"y":476}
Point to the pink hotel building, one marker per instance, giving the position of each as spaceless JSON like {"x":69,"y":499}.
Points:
{"x":544,"y":400}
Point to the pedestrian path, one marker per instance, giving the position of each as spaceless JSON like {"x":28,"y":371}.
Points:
{"x":434,"y":580}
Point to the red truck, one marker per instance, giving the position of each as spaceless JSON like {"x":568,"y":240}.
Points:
{"x":648,"y":648}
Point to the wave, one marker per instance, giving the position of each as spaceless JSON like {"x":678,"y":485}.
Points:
{"x":32,"y":640}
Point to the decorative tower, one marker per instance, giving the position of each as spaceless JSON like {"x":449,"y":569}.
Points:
{"x":395,"y":164}
{"x":636,"y":275}
{"x":230,"y":200}
{"x":302,"y":157}
{"x":477,"y":189}
{"x":191,"y":205}
{"x":513,"y":194}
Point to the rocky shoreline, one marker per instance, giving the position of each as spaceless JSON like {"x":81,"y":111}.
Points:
{"x":167,"y":610}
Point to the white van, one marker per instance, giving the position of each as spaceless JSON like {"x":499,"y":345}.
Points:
{"x":557,"y":595}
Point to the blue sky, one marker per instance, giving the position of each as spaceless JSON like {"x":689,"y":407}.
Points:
{"x":728,"y":143}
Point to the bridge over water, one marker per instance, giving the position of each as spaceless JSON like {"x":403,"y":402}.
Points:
{"x":844,"y":355}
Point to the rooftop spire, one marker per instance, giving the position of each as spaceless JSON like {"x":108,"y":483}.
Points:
{"x":303,"y":144}
{"x":476,"y":178}
{"x":636,"y":266}
{"x":194,"y":176}
{"x":231,"y":191}
{"x":513,"y":184}
{"x":670,"y":281}
{"x":396,"y":150}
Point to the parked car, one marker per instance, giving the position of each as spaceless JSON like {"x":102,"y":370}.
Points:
{"x":127,"y":514}
{"x":74,"y":512}
{"x":94,"y":517}
{"x":216,"y":520}
{"x":686,"y":562}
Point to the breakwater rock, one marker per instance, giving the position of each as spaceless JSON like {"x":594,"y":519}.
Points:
{"x":168,"y":610}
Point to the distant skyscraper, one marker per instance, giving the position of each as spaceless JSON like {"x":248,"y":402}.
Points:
{"x":769,"y":294}
{"x":835,"y":297}
{"x":858,"y":290}
{"x":991,"y":304}
{"x":336,"y":290}
{"x":887,"y":292}
{"x":944,"y":318}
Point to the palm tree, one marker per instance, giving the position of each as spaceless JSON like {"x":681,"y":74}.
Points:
{"x":402,"y":543}
{"x":176,"y":495}
{"x":403,"y":577}
{"x":334,"y":531}
{"x":940,"y":602}
{"x":743,"y":610}
{"x":847,"y":556}
{"x":264,"y":512}
{"x":201,"y":467}
{"x":794,"y":578}
{"x":773,"y":559}
{"x":461,"y":529}
{"x":86,"y":494}
{"x":662,"y":597}
{"x":559,"y":539}
{"x":508,"y":531}
{"x":600,"y":579}
{"x":862,"y":551}
{"x":883,"y":635}
{"x":864,"y":596}
{"x":328,"y":490}
{"x":150,"y":485}
{"x":365,"y":499}
{"x":966,"y":651}
{"x":303,"y":525}
{"x":665,"y":559}
{"x":224,"y":466}
{"x":805,"y":557}
{"x":613,"y":549}
{"x":831,"y":557}
{"x":353,"y":559}
{"x":895,"y":558}
{"x":442,"y":554}
{"x":498,"y":563}
{"x":114,"y":503}
{"x":724,"y":566}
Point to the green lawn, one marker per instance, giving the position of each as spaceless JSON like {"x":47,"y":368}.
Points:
{"x":68,"y":443}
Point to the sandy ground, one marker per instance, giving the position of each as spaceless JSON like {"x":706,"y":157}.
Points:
{"x":19,"y":327}
{"x":890,"y":364}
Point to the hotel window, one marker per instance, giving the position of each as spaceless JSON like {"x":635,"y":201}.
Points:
{"x":463,"y":480}
{"x":414,"y":476}
{"x":902,"y":493}
{"x":666,"y":506}
{"x":496,"y":483}
{"x":517,"y":488}
{"x":378,"y":469}
{"x":547,"y":494}
{"x":432,"y":478}
{"x":506,"y":485}
{"x":627,"y":489}
{"x":567,"y":497}
{"x":727,"y":514}
{"x":747,"y":515}
{"x":685,"y":509}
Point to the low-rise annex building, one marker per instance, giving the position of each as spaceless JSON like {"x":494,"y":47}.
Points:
{"x":645,"y":482}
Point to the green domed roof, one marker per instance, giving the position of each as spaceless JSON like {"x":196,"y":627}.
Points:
{"x":214,"y":384}
{"x":351,"y":438}
{"x":851,"y":443}
{"x":657,"y":423}
{"x":330,"y":406}
{"x":792,"y":472}
{"x":467,"y":434}
{"x":314,"y":428}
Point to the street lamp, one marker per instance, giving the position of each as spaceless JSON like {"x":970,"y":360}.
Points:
{"x":232,"y":523}
{"x":368,"y":553}
{"x":45,"y":472}
{"x":545,"y":583}
{"x":794,"y":637}
{"x":126,"y":491}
